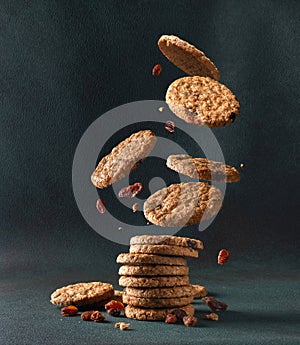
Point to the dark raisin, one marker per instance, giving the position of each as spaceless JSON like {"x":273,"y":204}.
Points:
{"x":192,"y":244}
{"x":114,"y":312}
{"x":232,"y":117}
{"x":171,"y":318}
{"x":180,"y":314}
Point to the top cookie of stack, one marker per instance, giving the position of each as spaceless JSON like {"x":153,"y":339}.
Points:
{"x":155,"y":276}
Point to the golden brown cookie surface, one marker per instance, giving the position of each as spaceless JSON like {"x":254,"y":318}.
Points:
{"x":202,"y":101}
{"x":183,"y":204}
{"x":164,"y":249}
{"x":157,"y":302}
{"x":152,"y":314}
{"x":81,"y":294}
{"x":187,"y":57}
{"x":167,"y":240}
{"x":141,"y":259}
{"x":163,"y":281}
{"x":153,"y":270}
{"x":203,"y":168}
{"x":123,"y":158}
{"x":166,"y":292}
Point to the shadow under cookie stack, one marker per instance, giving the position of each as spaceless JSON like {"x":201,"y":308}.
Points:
{"x":155,"y":276}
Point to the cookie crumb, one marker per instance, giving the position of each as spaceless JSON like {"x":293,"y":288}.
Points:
{"x":242,"y":165}
{"x":212,"y":316}
{"x":161,"y":109}
{"x":122,"y":325}
{"x":135,"y":207}
{"x":120,"y":228}
{"x":101,"y":206}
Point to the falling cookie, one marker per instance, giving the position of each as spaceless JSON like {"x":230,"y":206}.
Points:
{"x":183,"y":204}
{"x":203,"y":168}
{"x":187,"y":57}
{"x":125,"y":157}
{"x":202,"y":101}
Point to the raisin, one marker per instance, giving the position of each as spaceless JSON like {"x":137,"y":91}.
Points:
{"x":214,"y":304}
{"x":131,"y":191}
{"x":86,"y":316}
{"x":171,"y":318}
{"x":223,"y":256}
{"x":180,"y":314}
{"x":156,"y":71}
{"x":101,"y":206}
{"x":97,"y":316}
{"x":190,"y":321}
{"x":170,"y":126}
{"x":69,"y":310}
{"x":114,"y":312}
{"x":113,"y":304}
{"x":192,"y":244}
{"x":232,"y":117}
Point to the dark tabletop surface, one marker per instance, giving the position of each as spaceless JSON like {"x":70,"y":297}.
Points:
{"x":62,"y":65}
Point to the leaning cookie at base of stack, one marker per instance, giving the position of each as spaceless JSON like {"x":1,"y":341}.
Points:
{"x":155,"y":276}
{"x":87,"y":295}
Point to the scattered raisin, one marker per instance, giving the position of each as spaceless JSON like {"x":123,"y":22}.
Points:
{"x":170,"y":126}
{"x":192,"y":244}
{"x":135,"y":207}
{"x":114,"y":312}
{"x":214,"y":304}
{"x":171,"y":318}
{"x":223,"y":256}
{"x":97,"y":316}
{"x":86,"y":316}
{"x":180,"y":314}
{"x":69,"y":310}
{"x":156,"y":71}
{"x":101,"y":206}
{"x":131,"y":191}
{"x":113,"y":304}
{"x":190,"y":321}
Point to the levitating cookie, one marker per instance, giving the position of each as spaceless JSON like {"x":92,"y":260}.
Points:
{"x":202,"y":101}
{"x":202,"y":168}
{"x":123,"y":158}
{"x":187,"y":57}
{"x":183,"y":204}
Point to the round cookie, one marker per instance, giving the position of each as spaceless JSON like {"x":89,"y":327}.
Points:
{"x":199,"y":291}
{"x":187,"y":57}
{"x":171,"y":292}
{"x":203,"y":168}
{"x":202,"y":101}
{"x":144,"y":282}
{"x":141,"y":259}
{"x":157,"y":302}
{"x":183,"y":204}
{"x":164,"y":250}
{"x":153,"y":270}
{"x":82,"y":294}
{"x":153,"y":314}
{"x":168,"y":240}
{"x":123,"y":158}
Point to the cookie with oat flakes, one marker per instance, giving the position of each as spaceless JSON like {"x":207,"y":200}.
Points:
{"x":124,"y":158}
{"x":202,"y":101}
{"x":187,"y":57}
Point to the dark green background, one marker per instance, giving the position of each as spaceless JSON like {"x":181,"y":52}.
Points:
{"x":63,"y":64}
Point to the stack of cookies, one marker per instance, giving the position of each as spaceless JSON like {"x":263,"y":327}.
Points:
{"x":155,"y":276}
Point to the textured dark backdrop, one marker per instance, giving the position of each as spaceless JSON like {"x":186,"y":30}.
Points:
{"x":64,"y":63}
